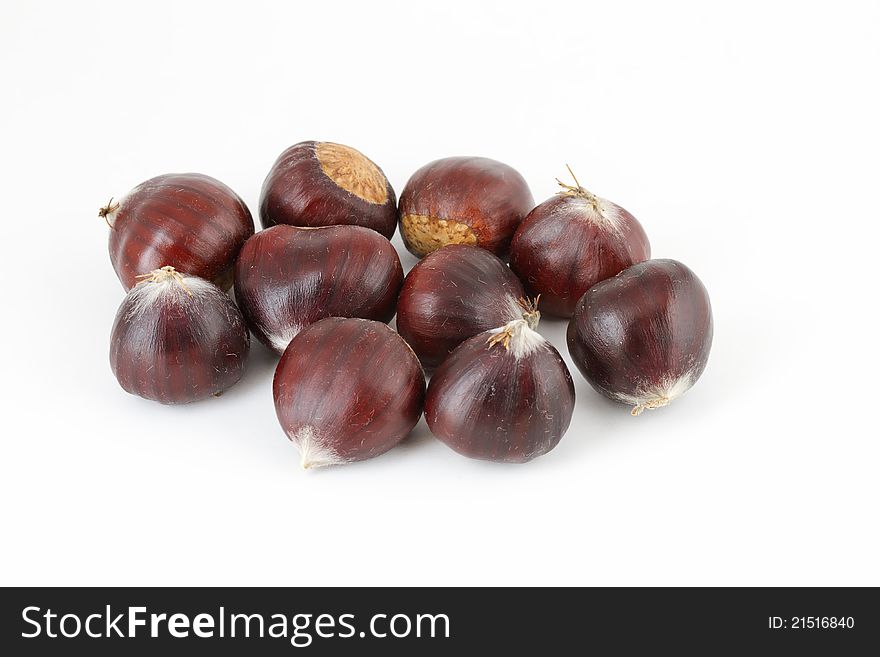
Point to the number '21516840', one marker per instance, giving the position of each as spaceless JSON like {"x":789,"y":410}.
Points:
{"x":811,"y":623}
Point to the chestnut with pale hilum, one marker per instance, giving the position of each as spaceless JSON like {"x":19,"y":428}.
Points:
{"x":503,"y":395}
{"x":643,"y":337}
{"x":451,"y":295}
{"x":188,"y":221}
{"x":316,"y":184}
{"x":287,"y":277}
{"x":463,"y":200}
{"x":347,"y":389}
{"x":177,"y":339}
{"x":572,"y":241}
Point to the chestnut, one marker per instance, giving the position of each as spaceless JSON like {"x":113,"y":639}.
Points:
{"x":463,"y":200}
{"x":347,"y":390}
{"x":503,"y":395}
{"x":177,"y":338}
{"x":572,"y":241}
{"x":643,"y":337}
{"x":453,"y":294}
{"x":287,"y":277}
{"x":319,"y":183}
{"x":184,"y":220}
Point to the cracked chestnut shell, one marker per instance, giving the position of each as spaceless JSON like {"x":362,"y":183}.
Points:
{"x":463,"y":200}
{"x":319,"y":183}
{"x":177,"y":339}
{"x":453,"y":294}
{"x":287,"y":277}
{"x":643,"y":337}
{"x":503,"y":395}
{"x":347,"y":390}
{"x":571,"y":242}
{"x":188,"y":221}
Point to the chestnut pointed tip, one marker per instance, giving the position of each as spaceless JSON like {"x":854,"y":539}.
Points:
{"x":308,"y":463}
{"x":163,"y":275}
{"x":312,"y":461}
{"x":517,"y":337}
{"x":649,"y":405}
{"x":314,"y":454}
{"x":577,"y":190}
{"x":280,"y":340}
{"x":659,"y":396}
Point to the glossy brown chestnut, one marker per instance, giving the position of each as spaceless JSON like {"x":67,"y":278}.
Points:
{"x":177,"y":339}
{"x":319,"y":183}
{"x":451,"y":295}
{"x":643,"y":337}
{"x":347,"y":390}
{"x":571,"y":242}
{"x":503,"y":395}
{"x":287,"y":277}
{"x":463,"y":200}
{"x":188,"y":221}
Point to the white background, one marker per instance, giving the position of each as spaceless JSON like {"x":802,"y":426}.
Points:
{"x":746,"y":141}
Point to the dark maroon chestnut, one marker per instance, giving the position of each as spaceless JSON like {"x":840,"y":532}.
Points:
{"x":453,"y":294}
{"x":643,"y":337}
{"x":463,"y":200}
{"x":177,"y":339}
{"x":347,"y":390}
{"x":188,"y":221}
{"x":319,"y":183}
{"x":503,"y":395}
{"x":287,"y":277}
{"x":571,"y":242}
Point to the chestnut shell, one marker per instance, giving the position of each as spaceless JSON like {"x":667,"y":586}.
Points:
{"x":189,"y":221}
{"x":347,"y":390}
{"x":463,"y":200}
{"x":453,"y":294}
{"x":486,"y":403}
{"x":564,"y":247}
{"x":288,"y":277}
{"x":298,"y":192}
{"x":179,"y":345}
{"x":643,"y":337}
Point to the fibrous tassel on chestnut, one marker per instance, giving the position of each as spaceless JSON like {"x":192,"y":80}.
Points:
{"x":325,"y":184}
{"x":502,"y":395}
{"x":643,"y":337}
{"x":347,"y":390}
{"x":451,"y":295}
{"x":188,"y":221}
{"x":572,"y":241}
{"x":177,"y":339}
{"x":463,"y":200}
{"x":287,"y":277}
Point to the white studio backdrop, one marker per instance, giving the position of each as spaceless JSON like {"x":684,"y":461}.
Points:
{"x":744,"y":138}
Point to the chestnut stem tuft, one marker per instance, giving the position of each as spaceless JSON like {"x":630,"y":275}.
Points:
{"x":530,"y":311}
{"x":577,"y":190}
{"x":164,"y":274}
{"x":503,"y":336}
{"x":649,"y":405}
{"x":514,"y":330}
{"x":108,"y":210}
